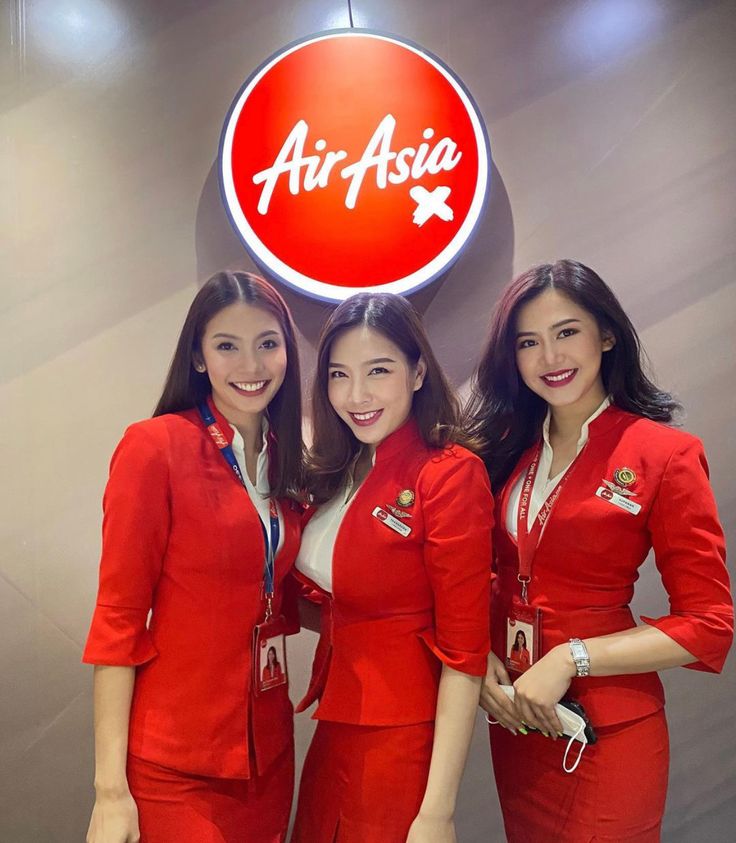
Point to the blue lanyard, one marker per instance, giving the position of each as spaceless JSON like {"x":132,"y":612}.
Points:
{"x":270,"y":537}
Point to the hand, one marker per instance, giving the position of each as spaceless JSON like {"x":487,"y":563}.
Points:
{"x":494,"y":700}
{"x":428,"y":829}
{"x":543,"y":685}
{"x":114,"y":820}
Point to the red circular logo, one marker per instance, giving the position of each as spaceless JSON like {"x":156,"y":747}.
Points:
{"x":354,"y":161}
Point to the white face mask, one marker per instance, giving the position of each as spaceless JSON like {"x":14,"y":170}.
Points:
{"x":573,"y":726}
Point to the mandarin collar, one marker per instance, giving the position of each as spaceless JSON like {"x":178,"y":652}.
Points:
{"x":228,"y":430}
{"x":607,"y":419}
{"x":585,"y":428}
{"x":401,"y":439}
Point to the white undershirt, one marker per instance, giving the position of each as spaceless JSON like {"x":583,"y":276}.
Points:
{"x":544,"y":485}
{"x":259,"y":494}
{"x":318,"y":539}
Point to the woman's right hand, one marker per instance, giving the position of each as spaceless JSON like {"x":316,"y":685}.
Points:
{"x":499,"y":707}
{"x":114,"y":820}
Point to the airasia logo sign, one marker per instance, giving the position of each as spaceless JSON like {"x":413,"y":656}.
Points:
{"x":378,"y":155}
{"x":354,"y":161}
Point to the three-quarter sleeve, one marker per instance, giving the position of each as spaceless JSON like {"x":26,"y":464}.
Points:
{"x":458,"y":516}
{"x":135,"y":531}
{"x":690,"y":554}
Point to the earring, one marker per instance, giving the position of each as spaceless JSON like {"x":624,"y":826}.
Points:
{"x":200,"y":367}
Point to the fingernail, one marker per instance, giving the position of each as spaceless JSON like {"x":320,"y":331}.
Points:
{"x":546,"y":734}
{"x":523,"y":730}
{"x":560,"y":734}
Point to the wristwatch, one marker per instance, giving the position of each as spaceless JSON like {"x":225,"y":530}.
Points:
{"x":579,"y":653}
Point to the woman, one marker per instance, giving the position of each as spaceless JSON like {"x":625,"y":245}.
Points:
{"x":399,"y":547}
{"x":272,"y":671}
{"x":199,"y":530}
{"x":519,"y":655}
{"x":588,"y":478}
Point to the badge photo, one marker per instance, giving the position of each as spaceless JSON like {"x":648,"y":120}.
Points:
{"x":522,"y":637}
{"x":271,"y":662}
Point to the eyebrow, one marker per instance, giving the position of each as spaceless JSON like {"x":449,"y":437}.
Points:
{"x":236,"y":337}
{"x":373,"y":362}
{"x":556,"y":325}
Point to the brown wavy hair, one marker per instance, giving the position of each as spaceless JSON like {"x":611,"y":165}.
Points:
{"x":185,"y":387}
{"x":434,"y":406}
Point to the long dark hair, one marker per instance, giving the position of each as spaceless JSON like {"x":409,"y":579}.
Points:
{"x":185,"y":387}
{"x":503,"y":416}
{"x":434,"y":406}
{"x":516,"y":646}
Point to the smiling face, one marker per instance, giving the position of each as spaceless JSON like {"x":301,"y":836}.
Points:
{"x":244,"y":355}
{"x":558,"y":352}
{"x":371,"y":384}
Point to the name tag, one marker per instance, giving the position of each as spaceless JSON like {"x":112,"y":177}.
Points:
{"x":618,"y":500}
{"x":389,"y":520}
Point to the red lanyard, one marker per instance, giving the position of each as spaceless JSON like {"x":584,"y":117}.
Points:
{"x":528,"y":540}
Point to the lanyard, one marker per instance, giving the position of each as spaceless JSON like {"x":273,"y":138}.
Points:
{"x":270,"y":537}
{"x":528,"y":540}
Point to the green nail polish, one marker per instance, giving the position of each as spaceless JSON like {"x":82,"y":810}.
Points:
{"x":523,"y":730}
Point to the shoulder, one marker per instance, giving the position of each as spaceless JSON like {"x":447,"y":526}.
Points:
{"x":156,"y":435}
{"x":662,"y":440}
{"x":656,"y":451}
{"x":452,"y":461}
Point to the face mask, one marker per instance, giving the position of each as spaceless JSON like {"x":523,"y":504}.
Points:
{"x":573,"y":726}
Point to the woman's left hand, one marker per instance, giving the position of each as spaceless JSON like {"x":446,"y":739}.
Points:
{"x":426,"y":829}
{"x":543,"y":685}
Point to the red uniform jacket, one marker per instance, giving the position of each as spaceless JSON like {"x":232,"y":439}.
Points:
{"x":587,"y":560}
{"x":520,"y":659}
{"x":181,"y":537}
{"x":401,"y":605}
{"x":269,"y":674}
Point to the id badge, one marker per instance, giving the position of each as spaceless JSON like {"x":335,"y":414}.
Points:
{"x":522,"y":636}
{"x":269,"y":655}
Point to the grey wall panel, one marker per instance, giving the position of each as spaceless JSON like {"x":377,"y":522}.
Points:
{"x":612,"y":125}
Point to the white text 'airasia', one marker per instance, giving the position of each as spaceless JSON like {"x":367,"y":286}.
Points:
{"x":307,"y":172}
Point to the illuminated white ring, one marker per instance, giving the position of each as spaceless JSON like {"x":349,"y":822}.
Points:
{"x":333,"y":292}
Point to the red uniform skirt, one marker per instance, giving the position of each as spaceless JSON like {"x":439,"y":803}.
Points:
{"x":362,"y":784}
{"x":176,"y":807}
{"x":616,"y":793}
